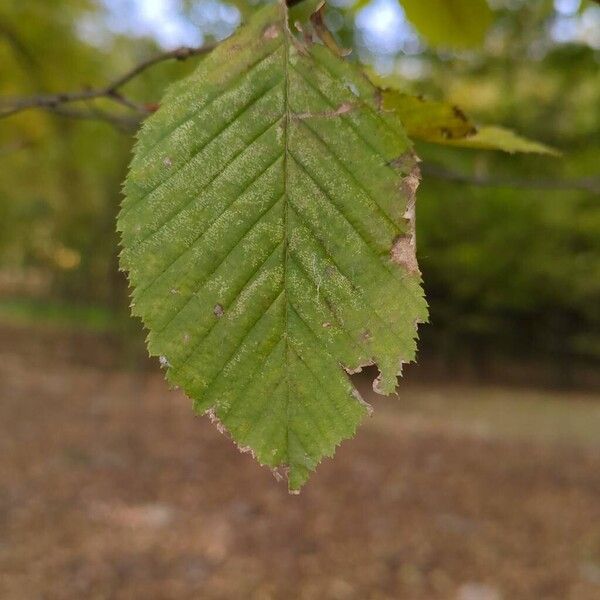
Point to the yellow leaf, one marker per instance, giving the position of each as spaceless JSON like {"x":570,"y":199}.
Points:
{"x":444,"y":123}
{"x":491,"y":137}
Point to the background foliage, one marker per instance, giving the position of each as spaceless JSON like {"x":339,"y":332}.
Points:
{"x":506,"y":269}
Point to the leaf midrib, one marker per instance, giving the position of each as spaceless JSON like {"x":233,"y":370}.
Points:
{"x":286,"y":122}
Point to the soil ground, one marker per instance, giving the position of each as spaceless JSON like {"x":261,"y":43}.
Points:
{"x":111,"y":488}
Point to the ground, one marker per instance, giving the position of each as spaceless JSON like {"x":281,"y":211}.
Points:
{"x":111,"y":488}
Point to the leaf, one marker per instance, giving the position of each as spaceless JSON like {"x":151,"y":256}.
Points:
{"x":492,"y":137}
{"x":450,"y":23}
{"x":267,"y":231}
{"x":444,"y":123}
{"x":427,"y":119}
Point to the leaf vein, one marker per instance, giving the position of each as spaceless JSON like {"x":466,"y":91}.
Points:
{"x":204,"y":232}
{"x":250,"y":70}
{"x":214,"y":178}
{"x":207,"y":333}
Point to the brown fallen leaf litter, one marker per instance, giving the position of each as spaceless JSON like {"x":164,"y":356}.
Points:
{"x":109,"y":488}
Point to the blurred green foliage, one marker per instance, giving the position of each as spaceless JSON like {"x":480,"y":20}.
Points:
{"x":506,"y":269}
{"x":450,"y":23}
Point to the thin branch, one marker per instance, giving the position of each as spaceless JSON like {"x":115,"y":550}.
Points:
{"x":182,"y":53}
{"x":54,"y":102}
{"x":121,"y":123}
{"x":128,"y":103}
{"x":587,"y":184}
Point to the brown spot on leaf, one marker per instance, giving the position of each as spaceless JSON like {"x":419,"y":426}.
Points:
{"x":271,"y":32}
{"x":458,"y":113}
{"x":342,"y":109}
{"x":403,"y":253}
{"x":403,"y":250}
{"x":218,"y":311}
{"x":410,"y":183}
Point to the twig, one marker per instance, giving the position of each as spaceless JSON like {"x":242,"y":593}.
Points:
{"x":122,"y":123}
{"x":438,"y":172}
{"x":54,"y":102}
{"x":182,"y":53}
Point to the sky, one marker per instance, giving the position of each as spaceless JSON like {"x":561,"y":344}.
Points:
{"x":382,"y":22}
{"x":163,"y":20}
{"x":381,"y":25}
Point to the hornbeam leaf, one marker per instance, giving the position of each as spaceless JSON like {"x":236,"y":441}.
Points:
{"x":428,"y":120}
{"x":268,"y":235}
{"x":492,"y":137}
{"x":446,"y":124}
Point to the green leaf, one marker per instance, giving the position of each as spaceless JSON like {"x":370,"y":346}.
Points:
{"x":268,"y":235}
{"x":444,"y":123}
{"x":450,"y":23}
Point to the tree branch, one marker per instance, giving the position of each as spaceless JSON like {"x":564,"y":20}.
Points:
{"x":121,"y":123}
{"x":56,"y":102}
{"x":438,"y":172}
